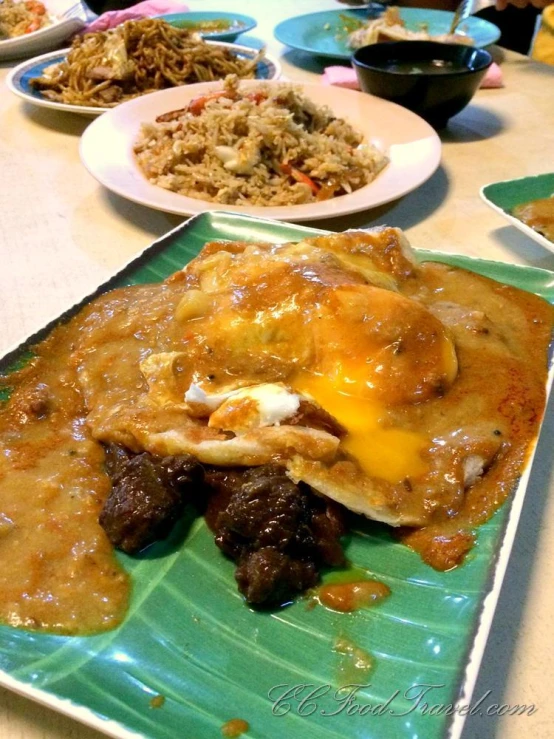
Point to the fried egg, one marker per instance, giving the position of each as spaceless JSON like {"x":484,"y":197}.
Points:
{"x":299,"y":354}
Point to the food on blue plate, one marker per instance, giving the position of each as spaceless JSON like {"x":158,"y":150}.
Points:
{"x":538,"y":214}
{"x":106,"y":68}
{"x":18,"y":18}
{"x":391,"y":27}
{"x":281,"y":389}
{"x":263,"y":146}
{"x":211,"y":25}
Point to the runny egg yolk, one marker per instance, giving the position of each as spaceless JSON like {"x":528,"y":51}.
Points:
{"x":389,"y":453}
{"x":377,"y":350}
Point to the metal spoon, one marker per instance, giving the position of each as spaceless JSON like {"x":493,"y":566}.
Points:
{"x":463,"y":11}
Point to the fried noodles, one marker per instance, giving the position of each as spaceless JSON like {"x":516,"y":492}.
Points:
{"x":105,"y":69}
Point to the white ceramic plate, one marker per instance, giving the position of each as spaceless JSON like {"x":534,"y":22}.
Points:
{"x":18,"y":80}
{"x":68,"y":16}
{"x":412,"y":145}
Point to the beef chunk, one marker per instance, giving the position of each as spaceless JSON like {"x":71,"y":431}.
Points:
{"x":280,"y":533}
{"x":140,"y":507}
{"x":327,"y":526}
{"x":269,"y":576}
{"x":147,"y":496}
{"x":183,"y":472}
{"x":266,"y":511}
{"x":116,"y":459}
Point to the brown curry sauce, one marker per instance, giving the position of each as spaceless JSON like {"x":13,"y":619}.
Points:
{"x":57,"y":569}
{"x":539,"y":215}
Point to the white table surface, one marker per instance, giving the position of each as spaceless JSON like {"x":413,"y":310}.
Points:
{"x":61,"y":234}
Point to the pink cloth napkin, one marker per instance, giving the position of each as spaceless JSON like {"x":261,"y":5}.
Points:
{"x":146,"y":9}
{"x":346,"y":77}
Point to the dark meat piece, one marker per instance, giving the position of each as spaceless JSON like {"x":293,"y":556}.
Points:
{"x":147,"y":496}
{"x":183,"y":472}
{"x":266,"y":511}
{"x":310,"y":414}
{"x":280,"y":533}
{"x":140,"y":507}
{"x":327,"y":527}
{"x":269,"y":576}
{"x":116,"y":459}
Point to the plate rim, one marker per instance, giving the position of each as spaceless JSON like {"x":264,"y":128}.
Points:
{"x":66,"y":707}
{"x":84,"y":110}
{"x":12,"y":48}
{"x":523,"y":227}
{"x":251,"y":22}
{"x":491,"y":590}
{"x":277,"y":30}
{"x":41,"y":102}
{"x":295,"y":213}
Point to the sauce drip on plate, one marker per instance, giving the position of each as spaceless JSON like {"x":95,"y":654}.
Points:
{"x":355,"y":663}
{"x":539,"y":215}
{"x":235,"y":727}
{"x":349,"y":592}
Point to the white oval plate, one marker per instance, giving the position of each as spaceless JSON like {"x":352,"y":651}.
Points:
{"x":69,"y":18}
{"x":412,"y":146}
{"x":18,"y":80}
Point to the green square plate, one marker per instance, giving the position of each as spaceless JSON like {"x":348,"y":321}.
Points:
{"x":189,"y":636}
{"x":504,"y":196}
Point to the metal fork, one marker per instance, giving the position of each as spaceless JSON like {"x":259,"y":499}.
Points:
{"x":375,"y":8}
{"x":76,"y":11}
{"x":463,"y":11}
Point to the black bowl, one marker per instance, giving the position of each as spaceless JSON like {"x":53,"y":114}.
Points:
{"x":434,"y":80}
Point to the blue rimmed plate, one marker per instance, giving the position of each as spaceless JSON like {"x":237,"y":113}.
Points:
{"x":189,"y":637}
{"x":233,"y":23}
{"x":325,"y":34}
{"x":19,"y":79}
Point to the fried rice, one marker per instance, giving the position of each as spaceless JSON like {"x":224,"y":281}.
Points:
{"x":262,"y":146}
{"x":20,"y":18}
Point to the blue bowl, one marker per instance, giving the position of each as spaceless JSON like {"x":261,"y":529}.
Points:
{"x":237,"y":23}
